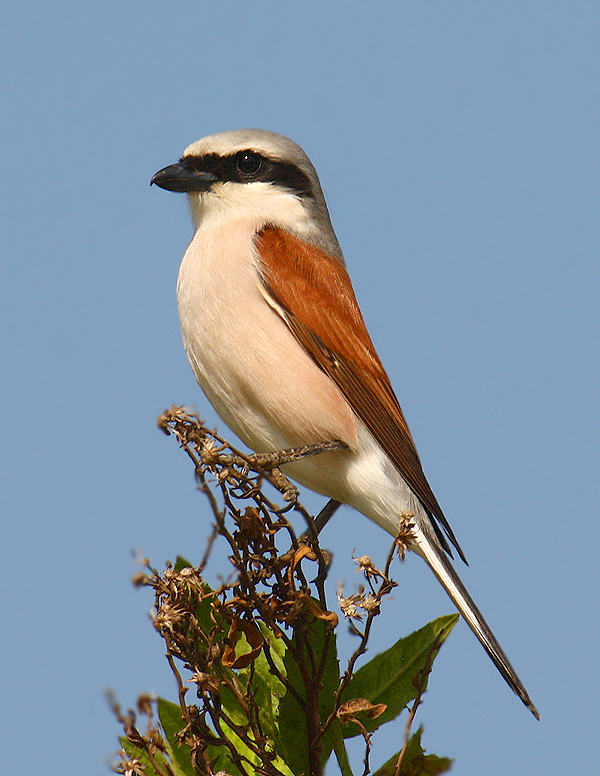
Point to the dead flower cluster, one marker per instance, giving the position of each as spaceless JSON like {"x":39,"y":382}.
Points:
{"x":259,"y":650}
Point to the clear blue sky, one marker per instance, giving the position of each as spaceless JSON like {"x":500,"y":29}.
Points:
{"x":457,"y":143}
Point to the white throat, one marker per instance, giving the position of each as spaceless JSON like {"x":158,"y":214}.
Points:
{"x":255,"y":204}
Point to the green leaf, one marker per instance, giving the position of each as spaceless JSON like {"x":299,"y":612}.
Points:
{"x":415,"y":761}
{"x":267,"y":688}
{"x":182,"y":563}
{"x":136,"y":753}
{"x":221,"y":761}
{"x":256,"y":679}
{"x":206,"y":613}
{"x":335,"y":737}
{"x":172,"y":722}
{"x":293,"y":731}
{"x":389,"y":677}
{"x":237,"y":715}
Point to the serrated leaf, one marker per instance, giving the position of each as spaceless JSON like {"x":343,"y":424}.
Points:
{"x":389,"y":677}
{"x":172,"y":722}
{"x":415,"y":761}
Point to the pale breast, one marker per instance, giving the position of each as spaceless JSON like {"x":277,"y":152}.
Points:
{"x":252,"y":369}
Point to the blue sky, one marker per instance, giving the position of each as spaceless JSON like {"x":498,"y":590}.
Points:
{"x":457,"y":144}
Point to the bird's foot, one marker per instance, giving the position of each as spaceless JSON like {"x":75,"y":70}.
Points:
{"x":272,"y":461}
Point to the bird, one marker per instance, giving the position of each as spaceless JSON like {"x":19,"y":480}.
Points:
{"x":277,"y":342}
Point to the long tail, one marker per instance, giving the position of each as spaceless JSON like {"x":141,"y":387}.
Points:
{"x":427,"y":545}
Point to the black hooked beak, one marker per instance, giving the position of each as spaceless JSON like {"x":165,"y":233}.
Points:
{"x":179,"y":177}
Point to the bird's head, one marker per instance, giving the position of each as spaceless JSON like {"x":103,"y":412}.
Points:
{"x":256,"y":174}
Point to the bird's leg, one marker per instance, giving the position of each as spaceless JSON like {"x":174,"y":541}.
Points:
{"x":269,"y":461}
{"x":328,"y":511}
{"x":312,"y":535}
{"x":272,"y":461}
{"x":316,"y":525}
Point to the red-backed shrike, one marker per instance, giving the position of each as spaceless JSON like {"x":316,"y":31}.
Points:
{"x":278,"y":344}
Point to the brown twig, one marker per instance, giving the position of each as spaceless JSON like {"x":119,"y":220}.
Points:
{"x":270,"y":587}
{"x":385,"y":587}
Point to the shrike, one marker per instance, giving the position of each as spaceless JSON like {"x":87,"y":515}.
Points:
{"x":278,"y":344}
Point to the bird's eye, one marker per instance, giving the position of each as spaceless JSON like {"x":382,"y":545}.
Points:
{"x":248,"y":162}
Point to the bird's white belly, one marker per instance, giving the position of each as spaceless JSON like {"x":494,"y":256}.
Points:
{"x":264,"y":385}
